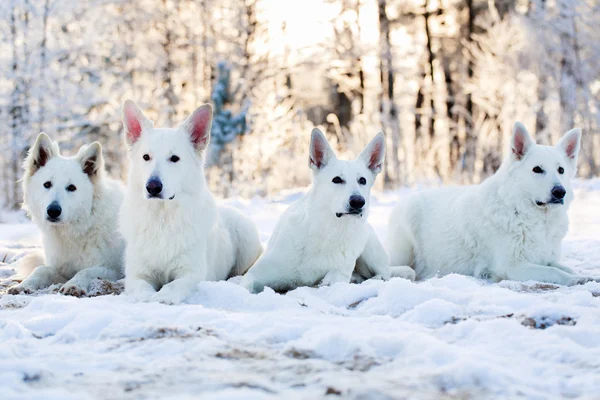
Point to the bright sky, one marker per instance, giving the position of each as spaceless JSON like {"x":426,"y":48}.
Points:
{"x":309,"y":22}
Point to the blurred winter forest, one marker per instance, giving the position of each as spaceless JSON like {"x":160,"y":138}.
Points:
{"x":444,"y":79}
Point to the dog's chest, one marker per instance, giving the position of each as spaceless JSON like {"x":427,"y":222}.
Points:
{"x":70,"y":254}
{"x":537,"y":240}
{"x":164,"y":241}
{"x":330,"y":249}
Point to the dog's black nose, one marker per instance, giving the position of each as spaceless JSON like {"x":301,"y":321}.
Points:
{"x":558,"y":192}
{"x":154,"y":186}
{"x":357,"y":202}
{"x":54,"y":210}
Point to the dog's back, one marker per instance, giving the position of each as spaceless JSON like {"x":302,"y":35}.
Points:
{"x":429,"y":230}
{"x":234,"y":246}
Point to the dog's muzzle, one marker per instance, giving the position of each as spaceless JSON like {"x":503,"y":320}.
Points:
{"x":154,"y":188}
{"x":355,"y":206}
{"x":557,"y":196}
{"x":53,"y":212}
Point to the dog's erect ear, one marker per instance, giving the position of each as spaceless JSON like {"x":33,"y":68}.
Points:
{"x":521,"y":142}
{"x":41,"y":152}
{"x":374,"y":153}
{"x":134,"y":122}
{"x":570,"y":143}
{"x":320,"y":153}
{"x":91,"y":160}
{"x":198,"y":126}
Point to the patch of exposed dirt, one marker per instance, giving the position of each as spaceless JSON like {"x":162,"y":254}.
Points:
{"x":103,"y":287}
{"x":238,"y":354}
{"x":546,"y":322}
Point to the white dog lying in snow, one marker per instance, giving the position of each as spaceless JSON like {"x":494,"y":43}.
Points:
{"x":325,"y":236}
{"x":76,"y":208}
{"x":508,"y":227}
{"x":176,"y":236}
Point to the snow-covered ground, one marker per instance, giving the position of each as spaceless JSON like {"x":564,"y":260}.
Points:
{"x":454,"y":337}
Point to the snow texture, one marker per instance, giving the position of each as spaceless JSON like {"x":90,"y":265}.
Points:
{"x":454,"y":337}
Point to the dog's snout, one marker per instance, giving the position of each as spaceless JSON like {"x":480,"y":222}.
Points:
{"x":558,"y":192}
{"x":54,"y":210}
{"x":154,"y":186}
{"x":357,"y":202}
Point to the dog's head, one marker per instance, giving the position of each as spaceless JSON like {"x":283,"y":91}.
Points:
{"x":166,"y":164}
{"x":60,"y":190}
{"x":344,"y":187}
{"x":543,"y":173}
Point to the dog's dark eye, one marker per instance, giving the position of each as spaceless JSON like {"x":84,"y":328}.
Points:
{"x":362,"y":181}
{"x":337,"y":180}
{"x":48,"y":185}
{"x":71,"y":188}
{"x":538,"y":170}
{"x":174,"y":159}
{"x":146,"y":157}
{"x":561,"y":170}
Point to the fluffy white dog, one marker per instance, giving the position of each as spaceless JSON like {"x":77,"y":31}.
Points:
{"x":176,"y":236}
{"x":76,"y":208}
{"x":325,"y":236}
{"x":508,"y":227}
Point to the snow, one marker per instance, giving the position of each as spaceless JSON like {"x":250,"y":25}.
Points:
{"x":450,"y":337}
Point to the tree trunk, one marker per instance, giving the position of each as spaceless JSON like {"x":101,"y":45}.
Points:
{"x":470,"y":148}
{"x":43,"y":65}
{"x":169,"y":67}
{"x":430,"y":60}
{"x":388,"y":109}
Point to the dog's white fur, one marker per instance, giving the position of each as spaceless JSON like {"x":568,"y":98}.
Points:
{"x":84,"y":243}
{"x":504,"y":228}
{"x":176,"y":241}
{"x":316,"y":240}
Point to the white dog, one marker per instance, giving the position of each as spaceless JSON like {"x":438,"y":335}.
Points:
{"x":325,"y":236}
{"x":176,"y":236}
{"x":76,"y":208}
{"x":508,"y":227}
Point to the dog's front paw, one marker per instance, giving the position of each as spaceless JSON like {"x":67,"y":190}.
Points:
{"x":403,"y":272}
{"x":70,"y":289}
{"x":142,"y":296}
{"x":251,"y":285}
{"x":166,"y":296}
{"x":20,"y":289}
{"x":380,"y":277}
{"x":334,"y":277}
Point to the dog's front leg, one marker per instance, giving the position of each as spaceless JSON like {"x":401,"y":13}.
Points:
{"x":534,"y":272}
{"x":139,"y":288}
{"x":79,"y":285}
{"x":41,"y":277}
{"x":568,"y":270}
{"x":374,"y":261}
{"x":177,"y":291}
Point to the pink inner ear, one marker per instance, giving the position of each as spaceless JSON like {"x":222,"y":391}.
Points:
{"x":318,"y":153}
{"x":375,"y":159}
{"x":199,"y":127}
{"x":570,"y":150}
{"x":42,"y":157}
{"x":518,"y":145}
{"x":132,"y":125}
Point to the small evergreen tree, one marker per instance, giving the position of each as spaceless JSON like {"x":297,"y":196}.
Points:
{"x":226,"y":126}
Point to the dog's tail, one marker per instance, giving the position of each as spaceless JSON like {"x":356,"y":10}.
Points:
{"x":27,"y":264}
